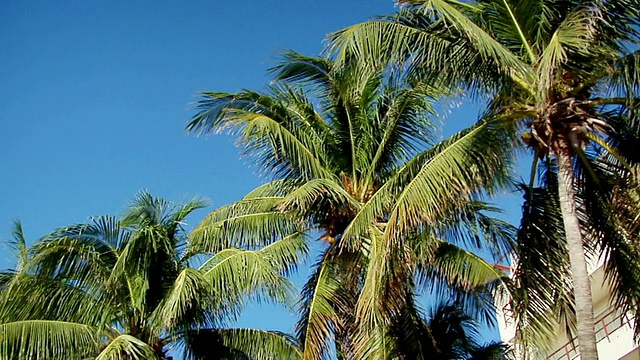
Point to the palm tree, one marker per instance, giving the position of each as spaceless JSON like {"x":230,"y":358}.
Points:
{"x":556,"y":69}
{"x":609,"y":211}
{"x":447,"y":333}
{"x":349,"y":155}
{"x":125,"y":289}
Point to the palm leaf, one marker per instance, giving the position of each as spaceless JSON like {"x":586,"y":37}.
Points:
{"x":235,"y":274}
{"x":241,"y":344}
{"x":128,"y":347}
{"x":46,"y":339}
{"x":321,"y":296}
{"x":248,"y":223}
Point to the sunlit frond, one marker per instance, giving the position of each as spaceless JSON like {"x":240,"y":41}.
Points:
{"x":236,"y":274}
{"x":313,"y":191}
{"x":294,"y":67}
{"x":185,"y":302}
{"x":37,"y":297}
{"x":483,"y":42}
{"x":127,"y":347}
{"x":573,"y":36}
{"x":46,"y":339}
{"x":270,"y":128}
{"x":249,"y":223}
{"x":460,"y":268}
{"x":433,"y":183}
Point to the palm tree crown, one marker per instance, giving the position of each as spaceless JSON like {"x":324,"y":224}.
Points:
{"x":114,"y":289}
{"x":349,"y":150}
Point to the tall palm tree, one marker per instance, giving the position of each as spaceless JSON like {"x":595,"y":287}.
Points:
{"x":554,"y":68}
{"x":350,"y":155}
{"x":608,"y":211}
{"x":125,"y":289}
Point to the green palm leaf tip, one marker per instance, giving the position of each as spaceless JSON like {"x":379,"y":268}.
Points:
{"x":558,"y":70}
{"x":124,"y":288}
{"x":348,"y":152}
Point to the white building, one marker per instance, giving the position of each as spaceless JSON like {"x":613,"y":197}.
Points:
{"x":614,"y":330}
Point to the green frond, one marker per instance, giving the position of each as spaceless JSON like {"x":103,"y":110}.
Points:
{"x":625,"y":77}
{"x":241,"y":343}
{"x":483,"y":42}
{"x":127,"y":347}
{"x":572,"y":36}
{"x":472,"y":228}
{"x":185,"y":302}
{"x":19,"y":244}
{"x":236,"y":275}
{"x":401,"y":128}
{"x":313,"y":192}
{"x":432,"y":185}
{"x":47,"y":339}
{"x":267,"y":137}
{"x":271,"y":129}
{"x":541,"y":291}
{"x":79,"y":257}
{"x":293,"y":67}
{"x":321,"y":296}
{"x":460,"y":268}
{"x":383,"y":296}
{"x":248,"y":223}
{"x":146,"y":209}
{"x":38,"y":297}
{"x":287,"y":253}
{"x":271,"y":189}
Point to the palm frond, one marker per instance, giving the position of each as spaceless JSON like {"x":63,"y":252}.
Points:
{"x":236,"y":274}
{"x":484,"y":43}
{"x":271,"y":129}
{"x":19,"y":244}
{"x":249,"y":223}
{"x":573,"y":36}
{"x":542,"y":294}
{"x":321,"y":296}
{"x":128,"y":347}
{"x":241,"y":344}
{"x":185,"y":302}
{"x":294,"y":67}
{"x":47,"y":339}
{"x":314,"y":191}
{"x":625,"y":77}
{"x":433,"y":183}
{"x":37,"y":297}
{"x":382,"y":297}
{"x":460,"y":268}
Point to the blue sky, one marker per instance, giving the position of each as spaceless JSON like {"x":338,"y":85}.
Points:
{"x":94,"y":97}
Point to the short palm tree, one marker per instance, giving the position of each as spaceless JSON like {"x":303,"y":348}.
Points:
{"x":447,"y":332}
{"x":125,"y":289}
{"x":349,"y":155}
{"x":558,"y":69}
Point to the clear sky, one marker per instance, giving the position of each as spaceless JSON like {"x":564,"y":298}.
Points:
{"x":94,"y":97}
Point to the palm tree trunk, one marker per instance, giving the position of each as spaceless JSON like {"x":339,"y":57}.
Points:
{"x":577,"y":258}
